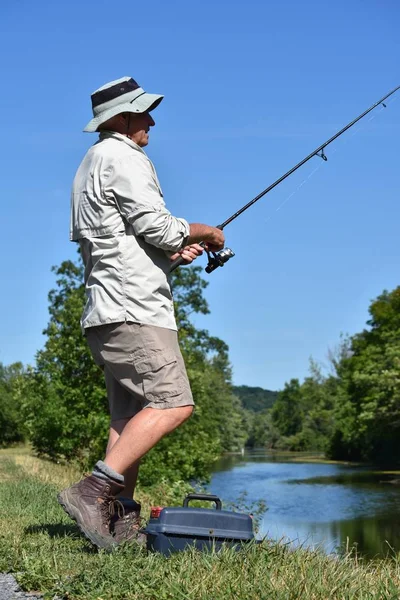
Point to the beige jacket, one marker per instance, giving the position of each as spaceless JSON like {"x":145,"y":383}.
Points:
{"x":126,"y":234}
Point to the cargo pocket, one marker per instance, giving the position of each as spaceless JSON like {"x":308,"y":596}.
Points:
{"x":161,"y":375}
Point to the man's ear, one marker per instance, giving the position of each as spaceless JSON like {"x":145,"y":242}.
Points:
{"x":123,"y":117}
{"x":125,"y":121}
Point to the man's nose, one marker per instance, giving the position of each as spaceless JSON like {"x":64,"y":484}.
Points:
{"x":151,"y":121}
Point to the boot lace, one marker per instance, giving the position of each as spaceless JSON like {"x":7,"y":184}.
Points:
{"x":110,"y":508}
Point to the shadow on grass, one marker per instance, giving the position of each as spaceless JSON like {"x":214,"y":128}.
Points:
{"x":54,"y":530}
{"x":61,"y":530}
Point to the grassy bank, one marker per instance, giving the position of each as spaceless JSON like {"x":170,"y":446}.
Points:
{"x":44,"y":550}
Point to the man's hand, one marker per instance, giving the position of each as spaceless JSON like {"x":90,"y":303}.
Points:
{"x":212,"y":237}
{"x":215,"y":240}
{"x":189,"y":253}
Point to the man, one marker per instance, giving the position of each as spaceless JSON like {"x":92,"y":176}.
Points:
{"x":128,"y":239}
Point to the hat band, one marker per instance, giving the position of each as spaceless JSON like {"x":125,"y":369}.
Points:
{"x":110,"y":93}
{"x":127,"y":98}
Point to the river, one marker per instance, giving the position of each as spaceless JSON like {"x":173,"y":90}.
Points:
{"x":315,"y":504}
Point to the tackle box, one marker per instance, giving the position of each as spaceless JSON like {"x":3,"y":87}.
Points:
{"x":172,"y":529}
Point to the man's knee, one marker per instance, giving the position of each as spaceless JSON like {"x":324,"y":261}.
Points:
{"x":187,"y":412}
{"x":181,"y":414}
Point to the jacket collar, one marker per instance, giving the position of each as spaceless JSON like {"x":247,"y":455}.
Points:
{"x":120,"y":137}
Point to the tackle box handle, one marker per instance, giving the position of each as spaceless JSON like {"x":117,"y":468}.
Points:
{"x":208,"y":497}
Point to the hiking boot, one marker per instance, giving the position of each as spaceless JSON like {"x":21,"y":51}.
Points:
{"x":91,"y":503}
{"x":126,"y":525}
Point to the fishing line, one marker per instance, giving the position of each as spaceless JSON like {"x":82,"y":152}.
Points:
{"x":293,"y":193}
{"x":321,"y":164}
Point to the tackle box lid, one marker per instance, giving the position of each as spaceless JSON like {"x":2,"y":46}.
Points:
{"x":205,"y":522}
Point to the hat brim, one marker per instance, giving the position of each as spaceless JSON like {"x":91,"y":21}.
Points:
{"x":145,"y":102}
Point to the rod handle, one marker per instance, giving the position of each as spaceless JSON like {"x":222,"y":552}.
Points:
{"x":179,"y":261}
{"x":176,"y":263}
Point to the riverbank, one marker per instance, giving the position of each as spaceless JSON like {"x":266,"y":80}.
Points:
{"x":42,"y":548}
{"x":306,"y":457}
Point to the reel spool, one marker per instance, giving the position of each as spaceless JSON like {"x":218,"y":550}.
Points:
{"x":218,"y":259}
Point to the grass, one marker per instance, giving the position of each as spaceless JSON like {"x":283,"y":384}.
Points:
{"x":46,"y":553}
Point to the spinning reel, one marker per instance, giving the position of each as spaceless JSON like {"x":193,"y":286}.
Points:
{"x":218,"y":259}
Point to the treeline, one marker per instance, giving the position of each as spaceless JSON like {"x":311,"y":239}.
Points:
{"x":352,"y":413}
{"x":302,"y":417}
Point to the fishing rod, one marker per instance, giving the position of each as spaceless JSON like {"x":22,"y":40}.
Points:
{"x":218,"y":259}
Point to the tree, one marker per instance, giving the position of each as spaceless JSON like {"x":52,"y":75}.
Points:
{"x":263,"y":431}
{"x":368,"y":421}
{"x":12,"y":427}
{"x":286,"y":412}
{"x":66,"y":409}
{"x":303,"y":413}
{"x":318,"y":397}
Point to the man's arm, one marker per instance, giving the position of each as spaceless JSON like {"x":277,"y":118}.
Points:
{"x":131,"y":184}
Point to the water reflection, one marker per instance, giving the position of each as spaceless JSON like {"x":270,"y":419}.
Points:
{"x":325,"y":505}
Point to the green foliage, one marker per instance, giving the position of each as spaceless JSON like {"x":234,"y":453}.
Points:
{"x":255,"y":399}
{"x":263,"y":431}
{"x":286,"y":413}
{"x":303,"y":413}
{"x":301,"y":418}
{"x":368,"y":417}
{"x":12,"y":428}
{"x":66,"y":407}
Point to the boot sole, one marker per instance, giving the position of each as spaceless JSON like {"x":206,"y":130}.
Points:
{"x":74,"y":514}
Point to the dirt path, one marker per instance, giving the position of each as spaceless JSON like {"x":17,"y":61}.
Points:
{"x":10,"y":590}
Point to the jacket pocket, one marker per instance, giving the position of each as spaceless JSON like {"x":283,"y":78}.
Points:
{"x":161,"y":375}
{"x":92,"y":217}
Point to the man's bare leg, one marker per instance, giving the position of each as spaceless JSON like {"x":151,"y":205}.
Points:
{"x":141,"y":433}
{"x":131,"y":475}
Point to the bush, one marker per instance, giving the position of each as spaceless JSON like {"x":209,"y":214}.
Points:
{"x":12,"y":426}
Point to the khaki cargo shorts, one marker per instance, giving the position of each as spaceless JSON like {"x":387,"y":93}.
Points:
{"x":143,"y":367}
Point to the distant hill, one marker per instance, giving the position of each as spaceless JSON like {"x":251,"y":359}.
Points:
{"x":255,"y":399}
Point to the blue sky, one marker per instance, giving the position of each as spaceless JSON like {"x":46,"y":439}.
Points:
{"x":250,"y":89}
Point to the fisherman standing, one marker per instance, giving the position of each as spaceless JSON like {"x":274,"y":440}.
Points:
{"x":128,"y":239}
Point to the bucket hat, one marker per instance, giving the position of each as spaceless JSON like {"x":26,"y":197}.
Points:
{"x":121,"y":95}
